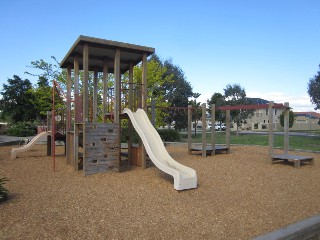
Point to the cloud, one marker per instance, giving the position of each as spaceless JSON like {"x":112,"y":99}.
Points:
{"x":297,"y":103}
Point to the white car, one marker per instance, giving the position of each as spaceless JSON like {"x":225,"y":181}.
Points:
{"x":220,"y":127}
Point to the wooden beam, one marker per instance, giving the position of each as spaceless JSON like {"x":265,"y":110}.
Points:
{"x":189,"y":127}
{"x":204,"y":127}
{"x":105,"y":88}
{"x":271,"y":135}
{"x":213,"y":129}
{"x":117,"y":85}
{"x":228,"y":129}
{"x":286,"y":129}
{"x":85,"y":83}
{"x":248,"y":107}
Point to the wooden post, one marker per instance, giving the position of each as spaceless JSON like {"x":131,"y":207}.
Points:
{"x":85,"y":113}
{"x":77,"y":110}
{"x":144,"y":82}
{"x":213,"y":129}
{"x":271,"y":135}
{"x":105,"y":88}
{"x":95,"y":95}
{"x":204,"y":130}
{"x":144,"y":101}
{"x":228,"y":130}
{"x":117,"y":85}
{"x":85,"y":83}
{"x":286,"y":129}
{"x":189,"y":127}
{"x":130,"y":126}
{"x":69,"y":116}
{"x":117,"y":96}
{"x":153,"y":112}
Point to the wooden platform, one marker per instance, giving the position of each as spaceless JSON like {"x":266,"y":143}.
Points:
{"x":293,"y":158}
{"x":209,"y":149}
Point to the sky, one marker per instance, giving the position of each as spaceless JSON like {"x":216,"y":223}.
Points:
{"x":270,"y":47}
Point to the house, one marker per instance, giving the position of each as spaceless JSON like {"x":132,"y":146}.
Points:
{"x":260,"y":119}
{"x":306,"y":121}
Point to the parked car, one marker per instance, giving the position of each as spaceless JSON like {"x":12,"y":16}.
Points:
{"x":220,"y":127}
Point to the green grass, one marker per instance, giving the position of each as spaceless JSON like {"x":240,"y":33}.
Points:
{"x":311,"y":143}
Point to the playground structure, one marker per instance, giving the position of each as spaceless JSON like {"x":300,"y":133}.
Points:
{"x":212,"y":148}
{"x":95,"y":146}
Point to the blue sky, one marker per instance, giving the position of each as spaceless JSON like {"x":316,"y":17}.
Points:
{"x":270,"y":47}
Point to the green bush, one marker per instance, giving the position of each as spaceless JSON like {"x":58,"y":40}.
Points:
{"x":22,"y":129}
{"x":124,"y":135}
{"x":3,"y":191}
{"x":169,"y":135}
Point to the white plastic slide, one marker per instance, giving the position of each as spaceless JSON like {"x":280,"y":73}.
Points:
{"x":27,"y":147}
{"x":184,"y":177}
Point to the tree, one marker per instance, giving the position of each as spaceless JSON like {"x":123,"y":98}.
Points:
{"x":156,"y":79}
{"x":197,"y":111}
{"x":42,"y":100}
{"x":218,"y":100}
{"x":314,"y":90}
{"x":48,"y":72}
{"x":17,"y":100}
{"x":177,"y":93}
{"x":236,"y":95}
{"x":291,"y":119}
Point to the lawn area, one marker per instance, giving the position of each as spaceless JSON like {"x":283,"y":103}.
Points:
{"x":311,"y":143}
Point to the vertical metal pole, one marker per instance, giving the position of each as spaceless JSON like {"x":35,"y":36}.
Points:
{"x":53,"y":128}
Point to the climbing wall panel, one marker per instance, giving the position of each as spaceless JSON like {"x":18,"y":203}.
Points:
{"x":102,"y":150}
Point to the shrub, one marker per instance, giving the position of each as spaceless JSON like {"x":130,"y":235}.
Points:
{"x":124,"y":135}
{"x":169,"y":135}
{"x":3,"y":191}
{"x":22,"y":129}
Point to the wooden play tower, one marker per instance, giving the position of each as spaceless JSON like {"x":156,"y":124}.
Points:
{"x":93,"y":138}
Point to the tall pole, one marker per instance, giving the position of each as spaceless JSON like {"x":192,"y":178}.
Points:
{"x":204,"y":131}
{"x":286,"y":128}
{"x":189,"y":127}
{"x":213,"y":129}
{"x":105,"y":88}
{"x":144,"y":102}
{"x":53,"y":128}
{"x":271,"y":135}
{"x":228,"y":130}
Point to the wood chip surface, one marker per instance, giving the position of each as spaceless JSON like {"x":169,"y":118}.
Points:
{"x":239,"y":196}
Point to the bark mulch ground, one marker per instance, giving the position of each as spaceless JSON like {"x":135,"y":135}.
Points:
{"x":239,"y":196}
